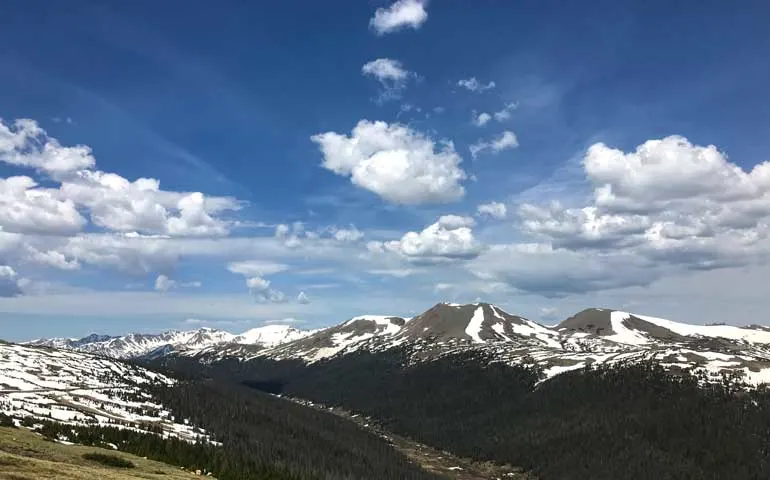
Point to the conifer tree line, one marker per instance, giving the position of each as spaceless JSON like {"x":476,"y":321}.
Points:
{"x":634,"y":421}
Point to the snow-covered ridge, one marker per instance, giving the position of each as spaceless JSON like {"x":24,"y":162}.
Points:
{"x":137,"y":345}
{"x":82,"y":389}
{"x":271,"y":335}
{"x":591,"y":336}
{"x":747,"y":334}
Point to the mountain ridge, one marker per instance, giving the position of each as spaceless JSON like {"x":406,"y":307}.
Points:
{"x":591,"y":336}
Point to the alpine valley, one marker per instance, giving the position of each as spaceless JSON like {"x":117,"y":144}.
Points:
{"x":466,"y":392}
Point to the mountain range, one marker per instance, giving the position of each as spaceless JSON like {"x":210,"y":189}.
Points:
{"x":137,"y":345}
{"x":592,"y":336}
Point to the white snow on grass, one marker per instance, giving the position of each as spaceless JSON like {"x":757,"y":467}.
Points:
{"x":82,"y":389}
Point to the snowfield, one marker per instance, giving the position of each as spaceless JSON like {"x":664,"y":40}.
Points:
{"x":81,"y":389}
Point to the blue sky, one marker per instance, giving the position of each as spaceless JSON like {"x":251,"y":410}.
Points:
{"x":316,"y":161}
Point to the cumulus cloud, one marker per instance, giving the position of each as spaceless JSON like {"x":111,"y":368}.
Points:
{"x":401,"y":165}
{"x":385,"y":69}
{"x":450,"y":238}
{"x":504,"y":141}
{"x":113,"y":202}
{"x":259,"y":287}
{"x":481,"y":119}
{"x":669,"y":203}
{"x":9,"y":282}
{"x":505,"y":113}
{"x":346,"y":235}
{"x":303,"y":298}
{"x":164,"y":284}
{"x":120,"y":205}
{"x":261,"y":291}
{"x":472,"y":84}
{"x":27,"y":209}
{"x":401,"y":14}
{"x":391,"y":75}
{"x":493,"y":210}
{"x":25,"y":144}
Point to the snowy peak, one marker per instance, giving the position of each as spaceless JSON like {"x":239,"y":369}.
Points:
{"x":271,"y":335}
{"x":478,"y":323}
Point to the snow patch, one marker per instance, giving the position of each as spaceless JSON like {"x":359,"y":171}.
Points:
{"x":474,"y":326}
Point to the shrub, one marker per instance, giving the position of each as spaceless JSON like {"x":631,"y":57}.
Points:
{"x":6,"y":421}
{"x":109,"y":460}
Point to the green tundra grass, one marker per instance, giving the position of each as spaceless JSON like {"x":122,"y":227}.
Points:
{"x":26,"y":455}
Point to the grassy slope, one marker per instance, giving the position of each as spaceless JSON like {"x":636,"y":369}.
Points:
{"x":25,"y":455}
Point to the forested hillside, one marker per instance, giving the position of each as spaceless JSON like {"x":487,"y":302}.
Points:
{"x":629,"y":421}
{"x":258,"y":430}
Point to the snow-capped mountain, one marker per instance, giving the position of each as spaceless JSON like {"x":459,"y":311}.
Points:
{"x":593,"y":336}
{"x":139,"y":345}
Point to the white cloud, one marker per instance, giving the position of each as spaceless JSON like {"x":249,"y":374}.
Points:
{"x":474,"y":85}
{"x":164,"y":284}
{"x":351,"y":234}
{"x":385,"y":69}
{"x":391,"y":75}
{"x":257,"y":283}
{"x":505,"y":113}
{"x":9,"y":282}
{"x":261,"y":291}
{"x":402,"y":14}
{"x":114,"y":203}
{"x":397,"y":163}
{"x":26,"y":144}
{"x":481,"y":119}
{"x":504,"y":141}
{"x":450,"y":238}
{"x":51,"y":258}
{"x":27,"y":209}
{"x":672,"y":173}
{"x":669,"y":205}
{"x":120,"y":205}
{"x":255,"y":268}
{"x":393,"y":272}
{"x":493,"y":209}
{"x":303,"y":298}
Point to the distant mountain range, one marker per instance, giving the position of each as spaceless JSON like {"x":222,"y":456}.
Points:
{"x":138,"y":345}
{"x":592,"y":336}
